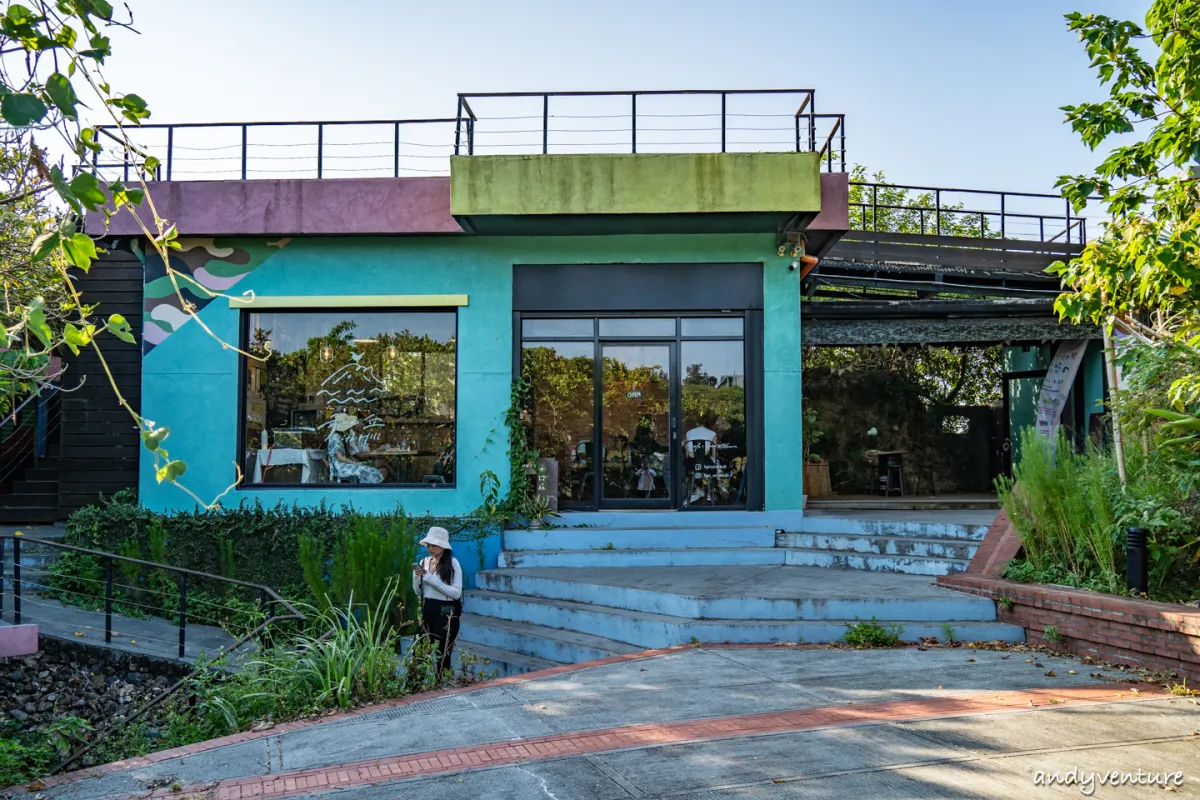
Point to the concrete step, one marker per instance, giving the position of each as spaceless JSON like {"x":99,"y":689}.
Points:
{"x":929,"y":604}
{"x":556,"y":619}
{"x":607,"y":538}
{"x":881,"y":545}
{"x":566,"y":647}
{"x":789,"y":520}
{"x":909,"y":565}
{"x":501,"y":662}
{"x":902,"y":504}
{"x":866,"y":526}
{"x":621,"y":557}
{"x":912,"y":562}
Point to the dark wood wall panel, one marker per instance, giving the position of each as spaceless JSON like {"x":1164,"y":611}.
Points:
{"x":98,"y":442}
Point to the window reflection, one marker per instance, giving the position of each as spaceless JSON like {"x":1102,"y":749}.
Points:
{"x":562,"y":404}
{"x":350,"y":398}
{"x":714,"y":423}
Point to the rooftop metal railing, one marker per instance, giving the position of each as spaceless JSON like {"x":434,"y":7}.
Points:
{"x":255,"y":150}
{"x":783,"y":120}
{"x":973,"y":213}
{"x":660,"y":121}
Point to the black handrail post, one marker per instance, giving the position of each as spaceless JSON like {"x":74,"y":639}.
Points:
{"x":126,"y":166}
{"x":458,"y":125}
{"x":922,"y":211}
{"x":16,"y":580}
{"x":982,"y":234}
{"x":470,"y":136}
{"x":874,"y":207}
{"x":3,"y":546}
{"x":545,"y":124}
{"x":108,"y":600}
{"x":1067,"y":227}
{"x":182,"y":611}
{"x":320,"y":149}
{"x":797,"y":133}
{"x":723,"y":122}
{"x":245,"y":148}
{"x":170,"y":148}
{"x":633,"y":121}
{"x":96,"y":153}
{"x":1041,"y":229}
{"x":843,"y":127}
{"x":937,"y":209}
{"x":1002,"y":232}
{"x":396,"y":154}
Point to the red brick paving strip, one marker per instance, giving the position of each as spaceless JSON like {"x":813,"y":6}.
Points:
{"x":580,"y":743}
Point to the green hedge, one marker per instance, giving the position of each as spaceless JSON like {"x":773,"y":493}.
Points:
{"x":265,"y":542}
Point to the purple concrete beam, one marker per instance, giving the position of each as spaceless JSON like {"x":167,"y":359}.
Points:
{"x":345,"y":206}
{"x":18,"y":640}
{"x":398,"y":206}
{"x":835,"y":203}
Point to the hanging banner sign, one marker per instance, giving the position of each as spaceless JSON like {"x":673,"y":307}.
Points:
{"x":1059,"y":378}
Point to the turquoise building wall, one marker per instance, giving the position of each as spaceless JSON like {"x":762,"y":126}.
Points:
{"x":190,"y":382}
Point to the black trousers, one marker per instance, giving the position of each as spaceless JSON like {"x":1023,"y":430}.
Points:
{"x":440,"y":621}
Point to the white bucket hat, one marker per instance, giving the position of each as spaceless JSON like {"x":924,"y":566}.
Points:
{"x":437,"y":536}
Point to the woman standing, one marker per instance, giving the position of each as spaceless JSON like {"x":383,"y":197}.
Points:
{"x":437,"y":580}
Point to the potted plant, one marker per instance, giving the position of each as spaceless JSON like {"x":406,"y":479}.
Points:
{"x":537,"y":509}
{"x":816,"y":469}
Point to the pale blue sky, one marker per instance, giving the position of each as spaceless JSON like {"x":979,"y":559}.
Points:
{"x":937,"y":92}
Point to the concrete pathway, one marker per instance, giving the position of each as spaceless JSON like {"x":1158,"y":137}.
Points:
{"x":712,"y":722}
{"x":151,"y":636}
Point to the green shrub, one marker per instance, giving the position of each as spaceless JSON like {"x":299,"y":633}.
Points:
{"x":871,"y":633}
{"x":260,"y":545}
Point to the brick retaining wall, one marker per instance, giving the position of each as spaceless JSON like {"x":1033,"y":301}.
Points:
{"x":1122,"y":630}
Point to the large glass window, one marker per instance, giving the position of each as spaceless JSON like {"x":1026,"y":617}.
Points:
{"x":714,"y":423}
{"x":350,"y":397}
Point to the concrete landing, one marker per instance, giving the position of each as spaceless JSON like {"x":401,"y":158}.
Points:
{"x":706,"y":723}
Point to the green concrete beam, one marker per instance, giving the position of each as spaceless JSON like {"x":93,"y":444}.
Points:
{"x":649,"y":183}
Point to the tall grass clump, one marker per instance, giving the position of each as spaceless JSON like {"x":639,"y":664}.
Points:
{"x":360,"y":569}
{"x":1060,"y":502}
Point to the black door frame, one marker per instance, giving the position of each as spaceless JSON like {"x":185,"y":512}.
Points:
{"x":752,"y":341}
{"x":674,"y":411}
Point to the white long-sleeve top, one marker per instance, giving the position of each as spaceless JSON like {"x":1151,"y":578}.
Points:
{"x":434,"y":587}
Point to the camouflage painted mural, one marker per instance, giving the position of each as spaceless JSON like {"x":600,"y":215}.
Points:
{"x":205,"y":268}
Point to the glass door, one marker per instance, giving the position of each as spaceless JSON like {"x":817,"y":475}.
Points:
{"x":637,"y":467}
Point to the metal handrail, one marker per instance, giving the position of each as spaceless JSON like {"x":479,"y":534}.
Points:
{"x":268,"y":601}
{"x":320,"y":125}
{"x":17,"y":410}
{"x":1069,"y":220}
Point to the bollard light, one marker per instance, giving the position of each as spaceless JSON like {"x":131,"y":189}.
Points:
{"x":1136,"y":560}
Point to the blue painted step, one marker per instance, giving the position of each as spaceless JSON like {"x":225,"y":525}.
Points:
{"x":932,"y":604}
{"x":502,"y":663}
{"x":649,"y":630}
{"x":626,"y":538}
{"x":881,"y":545}
{"x":666,"y":557}
{"x":566,"y":647}
{"x":876,"y":527}
{"x":909,"y":565}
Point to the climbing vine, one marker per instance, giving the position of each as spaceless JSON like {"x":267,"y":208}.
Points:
{"x":522,"y":458}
